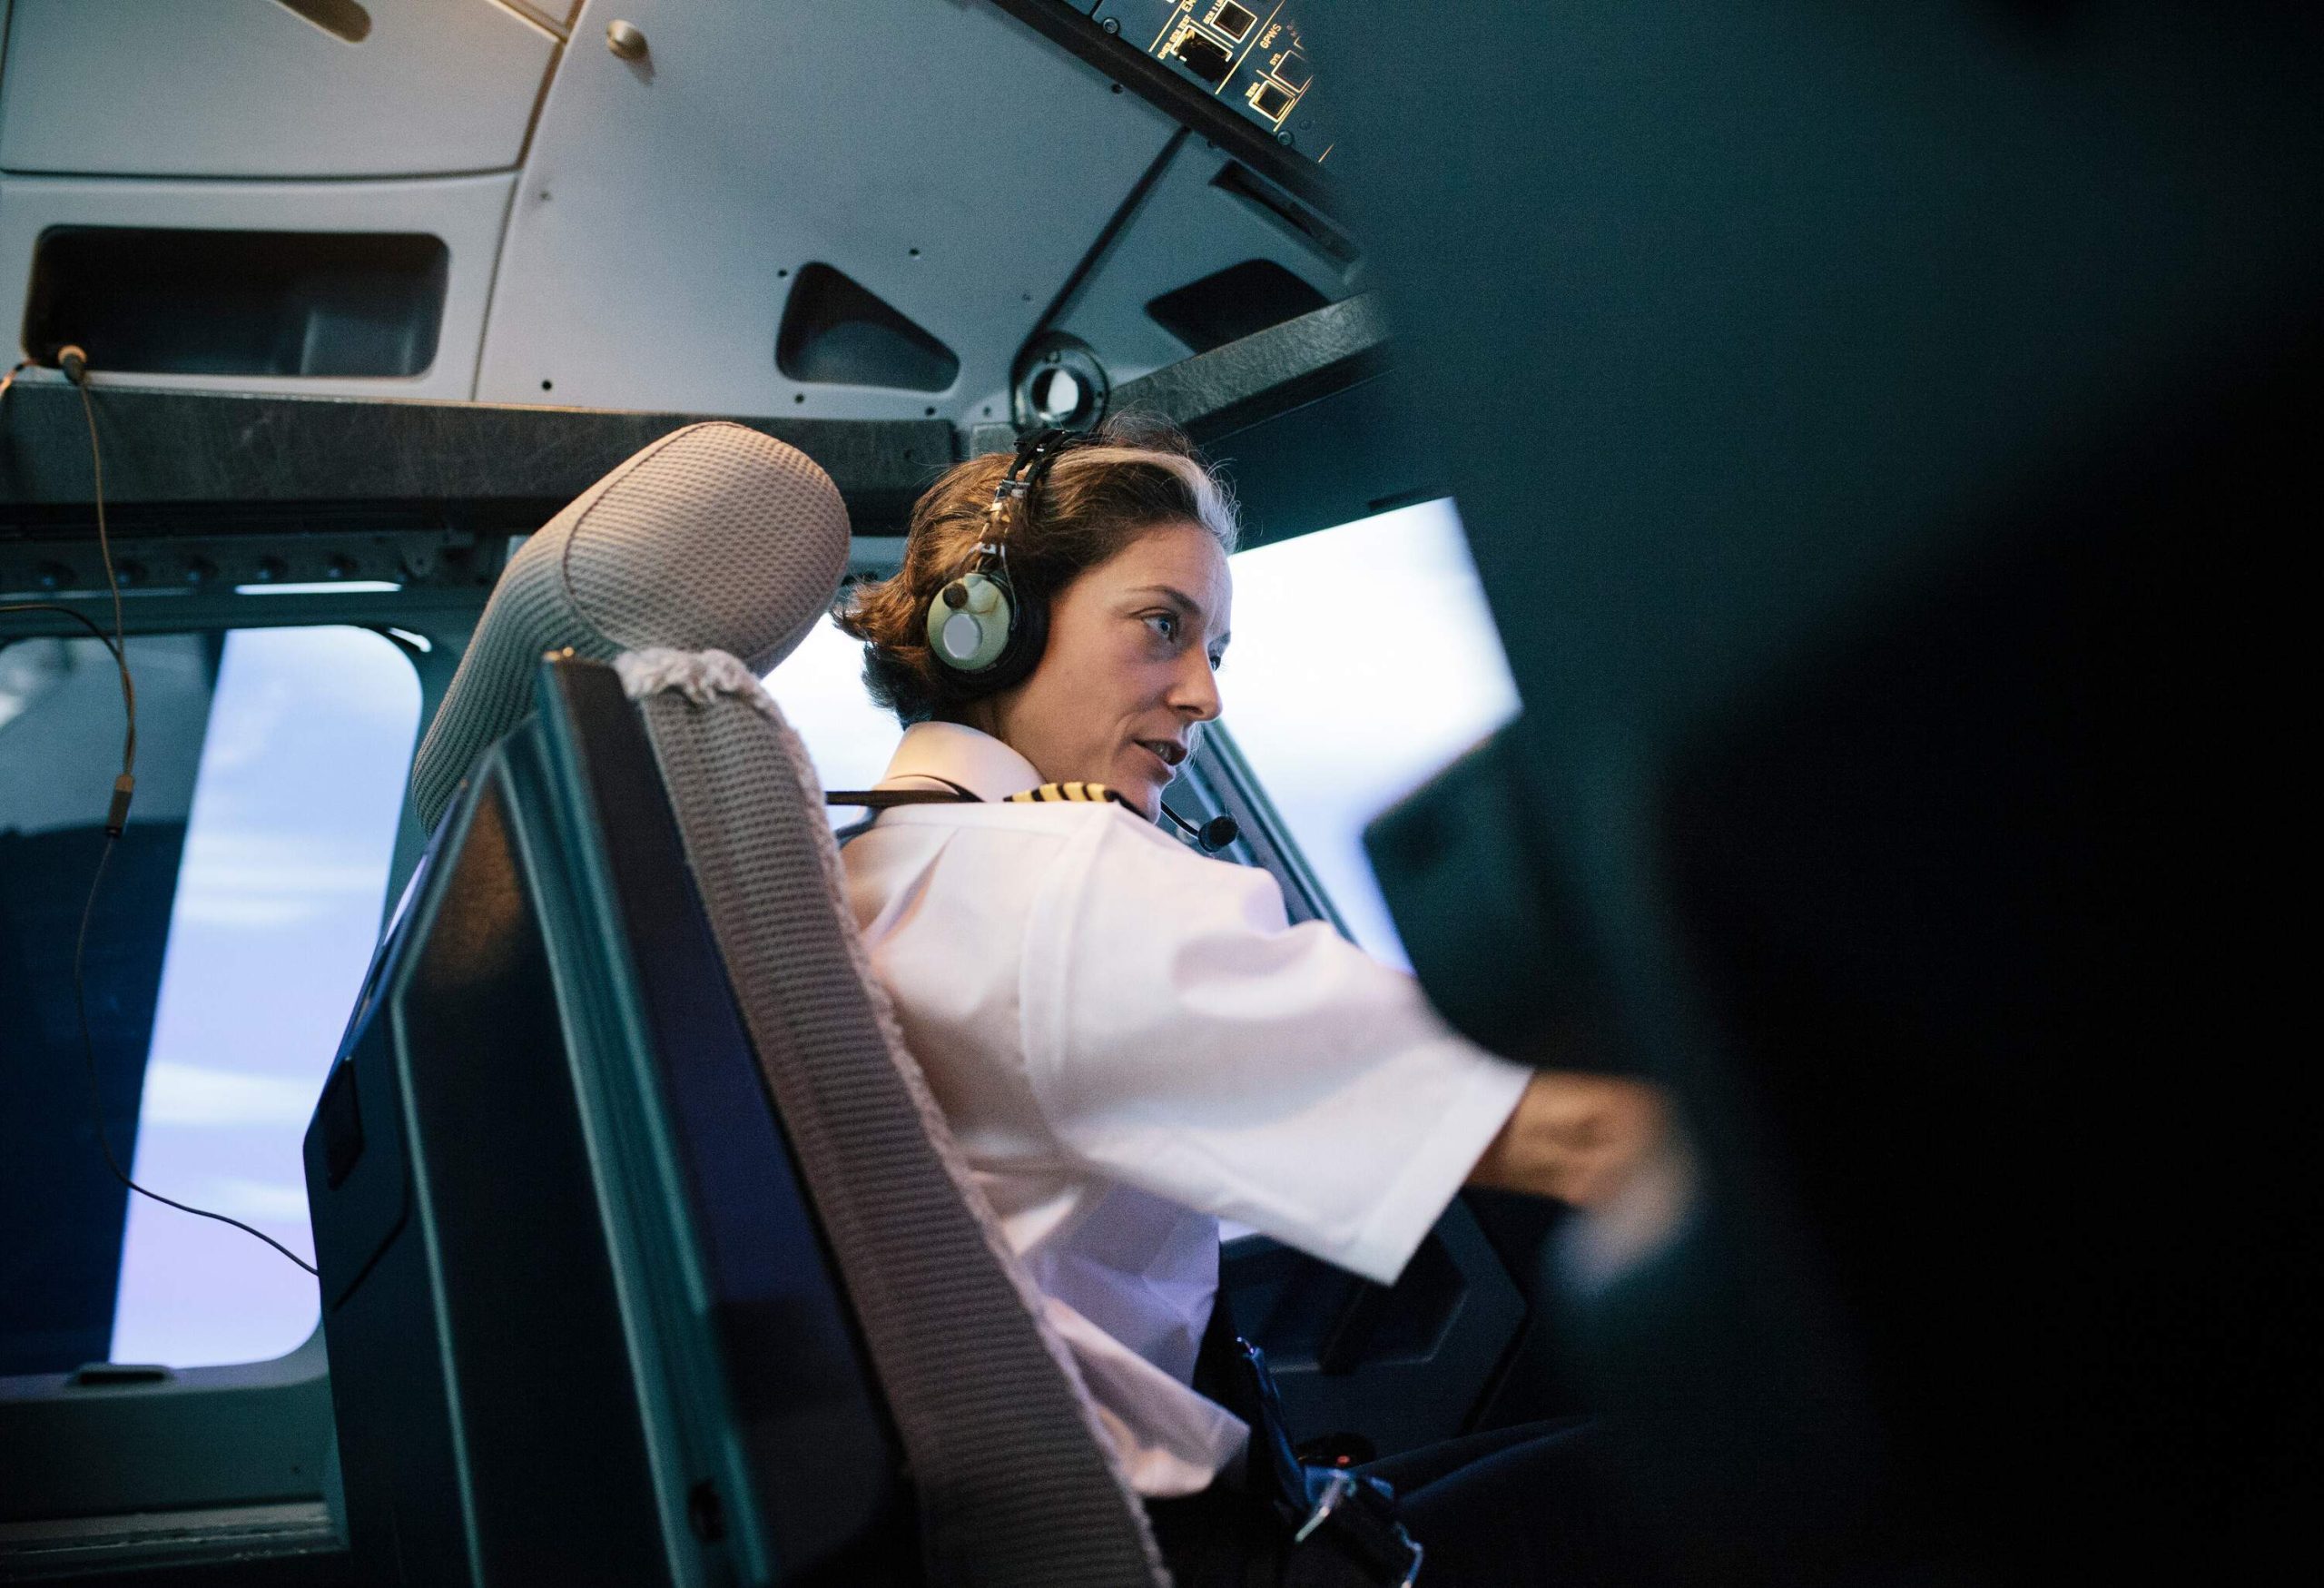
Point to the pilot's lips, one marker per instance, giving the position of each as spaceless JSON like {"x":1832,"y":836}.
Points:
{"x":1161,"y":768}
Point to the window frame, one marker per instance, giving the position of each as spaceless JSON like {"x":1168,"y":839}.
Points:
{"x":1224,"y":783}
{"x":230,"y":1436}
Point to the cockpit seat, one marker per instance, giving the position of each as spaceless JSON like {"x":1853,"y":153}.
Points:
{"x":646,"y":1255}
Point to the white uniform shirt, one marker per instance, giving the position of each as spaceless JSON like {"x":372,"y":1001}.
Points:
{"x":1131,"y":1043}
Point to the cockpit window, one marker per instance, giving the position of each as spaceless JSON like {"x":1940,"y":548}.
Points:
{"x":238,"y":914}
{"x":1364,"y":659}
{"x":820,"y":688}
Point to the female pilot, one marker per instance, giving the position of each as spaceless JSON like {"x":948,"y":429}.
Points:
{"x":1128,"y":1038}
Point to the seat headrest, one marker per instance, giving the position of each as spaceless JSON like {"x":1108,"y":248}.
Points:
{"x":714,"y":538}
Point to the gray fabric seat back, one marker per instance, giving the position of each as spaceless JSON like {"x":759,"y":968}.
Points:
{"x":697,"y":564}
{"x":716,"y":536}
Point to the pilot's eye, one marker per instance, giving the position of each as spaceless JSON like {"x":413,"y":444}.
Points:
{"x":1164,"y":624}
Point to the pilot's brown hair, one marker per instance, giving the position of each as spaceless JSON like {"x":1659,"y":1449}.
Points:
{"x":1098,"y":497}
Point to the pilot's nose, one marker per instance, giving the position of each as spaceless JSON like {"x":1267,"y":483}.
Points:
{"x":1194,"y":692}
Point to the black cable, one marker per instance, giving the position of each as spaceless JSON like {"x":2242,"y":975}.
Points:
{"x":96,"y":1101}
{"x":128,"y":693}
{"x":74,"y":364}
{"x":75,"y":614}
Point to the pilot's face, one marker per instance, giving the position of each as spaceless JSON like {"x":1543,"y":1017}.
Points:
{"x":1130,"y":669}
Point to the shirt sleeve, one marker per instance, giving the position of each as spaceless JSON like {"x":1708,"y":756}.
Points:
{"x":1183,"y":1038}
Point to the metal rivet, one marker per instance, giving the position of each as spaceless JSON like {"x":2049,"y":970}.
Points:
{"x":624,"y":39}
{"x":1111,"y":24}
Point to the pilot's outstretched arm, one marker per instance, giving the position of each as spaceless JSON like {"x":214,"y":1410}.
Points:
{"x":1180,"y":1035}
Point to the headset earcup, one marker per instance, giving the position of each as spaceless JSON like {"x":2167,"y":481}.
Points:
{"x":971,"y":625}
{"x":1029,"y":635}
{"x":1020,"y":629}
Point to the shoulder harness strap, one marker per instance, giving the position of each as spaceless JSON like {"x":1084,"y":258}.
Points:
{"x":952,"y":793}
{"x":887,"y":799}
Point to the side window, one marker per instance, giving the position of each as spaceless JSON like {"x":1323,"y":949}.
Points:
{"x":820,"y":688}
{"x":236,"y":916}
{"x":1365,"y":658}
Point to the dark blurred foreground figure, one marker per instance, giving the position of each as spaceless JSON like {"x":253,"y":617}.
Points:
{"x":1900,"y":424}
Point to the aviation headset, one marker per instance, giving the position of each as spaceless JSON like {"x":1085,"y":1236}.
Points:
{"x":986,"y":632}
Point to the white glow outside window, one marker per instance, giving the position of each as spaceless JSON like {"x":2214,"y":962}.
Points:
{"x":1365,"y":658}
{"x":285,"y":869}
{"x":820,"y":688}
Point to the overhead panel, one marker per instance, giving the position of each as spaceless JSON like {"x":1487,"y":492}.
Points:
{"x":912,"y":185}
{"x":267,"y":88}
{"x":1247,"y":54}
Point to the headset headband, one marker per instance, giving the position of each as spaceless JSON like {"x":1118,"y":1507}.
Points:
{"x":1035,"y":455}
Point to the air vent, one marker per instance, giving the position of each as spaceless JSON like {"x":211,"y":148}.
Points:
{"x":342,"y":19}
{"x":835,"y":333}
{"x":170,"y":302}
{"x":1234,"y":303}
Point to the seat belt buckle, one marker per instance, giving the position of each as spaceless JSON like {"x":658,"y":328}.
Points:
{"x":1360,"y":1516}
{"x":1335,"y":1489}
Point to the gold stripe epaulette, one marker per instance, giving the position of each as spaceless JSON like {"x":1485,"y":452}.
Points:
{"x":1082,"y":793}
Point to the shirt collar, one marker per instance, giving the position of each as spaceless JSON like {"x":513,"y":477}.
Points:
{"x":958,"y":754}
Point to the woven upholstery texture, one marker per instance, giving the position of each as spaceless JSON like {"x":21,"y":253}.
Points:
{"x":1018,"y":1483}
{"x":715,"y":537}
{"x":718,"y":539}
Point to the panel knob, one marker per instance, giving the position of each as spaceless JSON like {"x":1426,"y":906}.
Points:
{"x":625,"y":39}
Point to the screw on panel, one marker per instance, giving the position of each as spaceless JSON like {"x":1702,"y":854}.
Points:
{"x":1111,"y":24}
{"x":625,"y":39}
